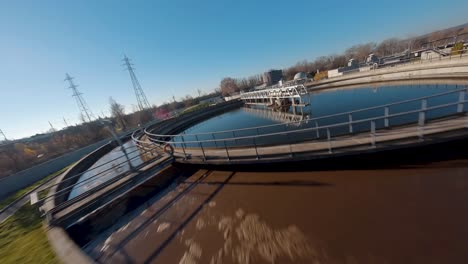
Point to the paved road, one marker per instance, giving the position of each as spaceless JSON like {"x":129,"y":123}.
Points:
{"x":4,"y":215}
{"x":416,"y":214}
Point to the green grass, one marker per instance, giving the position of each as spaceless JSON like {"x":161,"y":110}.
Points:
{"x":21,"y":192}
{"x":23,"y":238}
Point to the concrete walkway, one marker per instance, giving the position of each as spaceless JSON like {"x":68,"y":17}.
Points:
{"x":76,"y":209}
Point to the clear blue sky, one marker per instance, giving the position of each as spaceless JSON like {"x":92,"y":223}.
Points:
{"x":177,"y":46}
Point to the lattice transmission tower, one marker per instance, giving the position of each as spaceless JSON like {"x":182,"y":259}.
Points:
{"x":82,"y":106}
{"x":3,"y":134}
{"x":140,"y":95}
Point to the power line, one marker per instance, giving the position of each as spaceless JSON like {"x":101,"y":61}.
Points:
{"x":82,"y":106}
{"x":140,"y":95}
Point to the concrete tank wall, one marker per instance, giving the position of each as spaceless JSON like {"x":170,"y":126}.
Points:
{"x":445,"y":68}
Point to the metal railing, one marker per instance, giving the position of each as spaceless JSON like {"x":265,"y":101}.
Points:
{"x":186,"y":148}
{"x":408,"y":61}
{"x":295,"y":91}
{"x":97,"y":176}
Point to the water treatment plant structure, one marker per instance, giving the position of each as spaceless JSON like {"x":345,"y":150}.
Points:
{"x":279,"y":191}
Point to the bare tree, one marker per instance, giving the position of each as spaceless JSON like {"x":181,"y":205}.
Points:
{"x":118,"y":113}
{"x":229,"y":86}
{"x":360,"y":51}
{"x":390,"y":46}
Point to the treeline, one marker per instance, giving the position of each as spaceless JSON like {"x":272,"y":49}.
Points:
{"x":26,"y":153}
{"x":20,"y":155}
{"x":231,"y":86}
{"x":359,"y":52}
{"x":164,"y":110}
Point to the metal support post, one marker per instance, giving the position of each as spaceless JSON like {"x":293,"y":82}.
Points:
{"x":329,"y":141}
{"x":201,"y":146}
{"x":183,"y":141}
{"x":373,"y":133}
{"x":227,"y":152}
{"x":317,"y":129}
{"x":182,"y":145}
{"x":212,"y":135}
{"x":387,"y":112}
{"x":422,"y":119}
{"x":466,"y":121}
{"x":256,"y":151}
{"x":461,"y":100}
{"x":121,"y":147}
{"x":422,"y":113}
{"x":350,"y":117}
{"x":290,"y":151}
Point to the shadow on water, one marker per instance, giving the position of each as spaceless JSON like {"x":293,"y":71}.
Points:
{"x":184,"y":223}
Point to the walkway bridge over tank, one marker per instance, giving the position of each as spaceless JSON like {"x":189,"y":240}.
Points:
{"x":280,"y":95}
{"x":424,"y":120}
{"x":279,"y":116}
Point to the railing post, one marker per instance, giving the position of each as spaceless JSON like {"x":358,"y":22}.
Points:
{"x":183,"y":141}
{"x":256,"y":151}
{"x":201,"y":146}
{"x":373,"y":133}
{"x":387,"y":112}
{"x":422,"y":119}
{"x":212,"y":135}
{"x":227,"y":152}
{"x":329,"y":141}
{"x":461,"y":100}
{"x":182,"y":145}
{"x":466,"y":121}
{"x":422,"y":113}
{"x":290,"y":149}
{"x":317,"y":129}
{"x":350,"y":117}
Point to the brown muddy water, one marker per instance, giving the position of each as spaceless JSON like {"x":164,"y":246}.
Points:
{"x":416,"y":214}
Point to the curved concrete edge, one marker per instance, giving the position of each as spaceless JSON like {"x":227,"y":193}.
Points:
{"x":450,"y":78}
{"x":179,"y":123}
{"x":50,"y":203}
{"x":316,"y":160}
{"x":433,"y":70}
{"x":65,"y":249}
